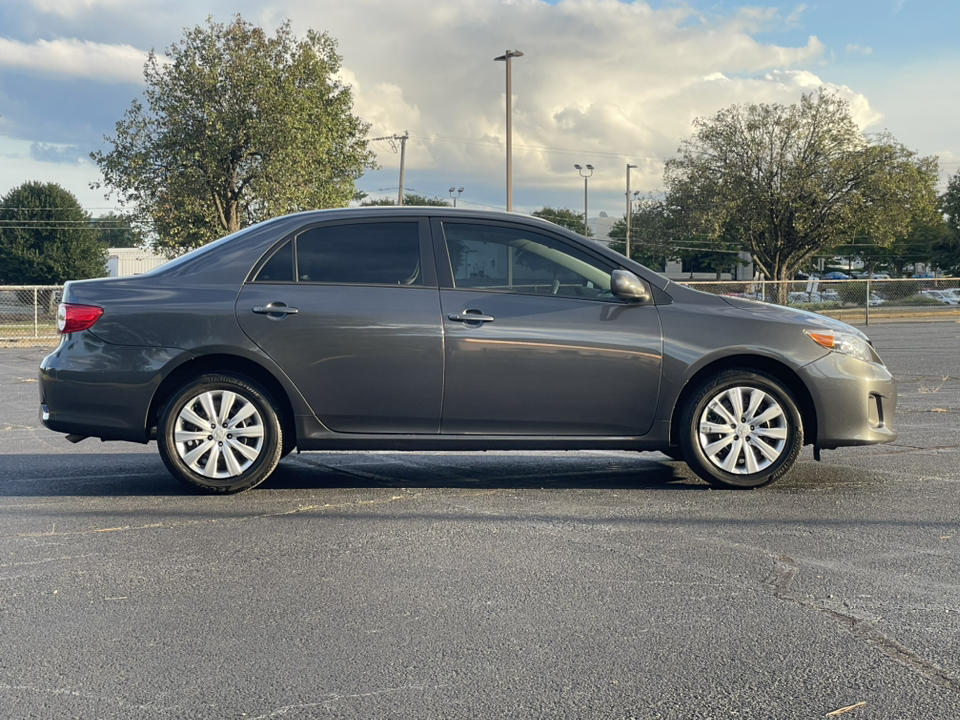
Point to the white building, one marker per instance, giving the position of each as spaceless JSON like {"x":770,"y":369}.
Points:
{"x":123,"y":262}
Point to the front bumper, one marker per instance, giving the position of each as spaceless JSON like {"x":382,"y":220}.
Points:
{"x":91,"y":388}
{"x":855,"y":400}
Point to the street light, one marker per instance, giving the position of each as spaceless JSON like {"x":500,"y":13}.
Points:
{"x":506,"y":58}
{"x":586,"y":229}
{"x":459,"y":192}
{"x":629,"y":208}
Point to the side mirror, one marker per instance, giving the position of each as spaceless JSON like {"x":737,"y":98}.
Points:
{"x":627,"y":286}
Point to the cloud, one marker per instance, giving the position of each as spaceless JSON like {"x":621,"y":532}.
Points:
{"x":68,"y":154}
{"x":600,"y":82}
{"x":794,"y":18}
{"x":74,"y":8}
{"x":858,"y":50}
{"x":603,"y":82}
{"x":75,"y":58}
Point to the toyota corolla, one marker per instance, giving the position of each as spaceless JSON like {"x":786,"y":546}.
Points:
{"x":426,"y":328}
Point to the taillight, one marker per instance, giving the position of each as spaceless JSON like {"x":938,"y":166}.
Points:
{"x":74,"y":318}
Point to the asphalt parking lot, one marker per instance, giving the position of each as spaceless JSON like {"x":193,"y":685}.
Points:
{"x":487,"y":585}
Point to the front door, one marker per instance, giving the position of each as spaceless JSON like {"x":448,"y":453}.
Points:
{"x":535,"y":344}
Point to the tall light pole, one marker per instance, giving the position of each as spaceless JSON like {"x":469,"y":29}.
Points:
{"x":585,"y":176}
{"x":506,"y":58}
{"x":459,"y":192}
{"x":629,"y":209}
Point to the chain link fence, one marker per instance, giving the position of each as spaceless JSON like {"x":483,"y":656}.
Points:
{"x":29,"y":313}
{"x":854,"y":301}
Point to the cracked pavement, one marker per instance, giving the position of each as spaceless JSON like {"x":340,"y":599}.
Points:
{"x":478,"y":585}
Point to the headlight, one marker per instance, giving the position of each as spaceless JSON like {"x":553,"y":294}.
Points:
{"x":843,"y":343}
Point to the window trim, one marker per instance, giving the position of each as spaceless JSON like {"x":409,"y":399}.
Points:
{"x":428,"y":271}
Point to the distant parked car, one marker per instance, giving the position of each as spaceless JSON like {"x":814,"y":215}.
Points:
{"x":835,"y":275}
{"x":430,"y":329}
{"x":945,"y":296}
{"x":801,"y":297}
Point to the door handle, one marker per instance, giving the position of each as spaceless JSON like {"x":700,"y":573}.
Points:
{"x":277,"y":310}
{"x":471,"y":316}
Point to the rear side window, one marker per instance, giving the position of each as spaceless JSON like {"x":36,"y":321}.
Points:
{"x":379,"y":253}
{"x":279,"y":268}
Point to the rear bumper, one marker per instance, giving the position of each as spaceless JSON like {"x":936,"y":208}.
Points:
{"x":855,"y":400}
{"x":90,"y":388}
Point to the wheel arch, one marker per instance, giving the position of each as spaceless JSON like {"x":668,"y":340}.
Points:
{"x":223,"y":364}
{"x":769,"y":366}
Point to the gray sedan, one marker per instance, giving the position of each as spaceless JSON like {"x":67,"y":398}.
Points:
{"x":446,"y":329}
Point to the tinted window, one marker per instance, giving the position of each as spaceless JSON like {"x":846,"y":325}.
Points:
{"x":383,"y":253}
{"x":278,"y":268}
{"x":517,"y":260}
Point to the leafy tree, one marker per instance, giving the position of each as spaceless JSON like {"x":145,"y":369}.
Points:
{"x":409,"y":199}
{"x":116,"y":230}
{"x":905,"y":250}
{"x":660,"y":232}
{"x":785,"y":181}
{"x":565,"y":218}
{"x":945,"y":251}
{"x":46,"y":237}
{"x":238,"y":127}
{"x":654,"y":231}
{"x":949,"y":204}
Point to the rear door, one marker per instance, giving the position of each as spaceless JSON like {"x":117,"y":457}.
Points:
{"x":350,"y":311}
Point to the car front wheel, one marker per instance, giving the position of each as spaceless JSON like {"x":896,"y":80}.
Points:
{"x":742,"y":429}
{"x":220,"y":433}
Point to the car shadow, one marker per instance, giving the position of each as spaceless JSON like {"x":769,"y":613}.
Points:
{"x":142,"y":474}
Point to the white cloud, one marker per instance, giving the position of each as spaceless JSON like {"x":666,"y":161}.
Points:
{"x":858,"y":50}
{"x":74,"y":58}
{"x":601,"y":81}
{"x":73,"y":8}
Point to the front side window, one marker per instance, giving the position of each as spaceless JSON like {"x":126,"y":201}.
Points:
{"x":517,"y":260}
{"x":380,"y":253}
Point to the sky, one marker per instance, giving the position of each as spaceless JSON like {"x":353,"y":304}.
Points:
{"x":601,"y":82}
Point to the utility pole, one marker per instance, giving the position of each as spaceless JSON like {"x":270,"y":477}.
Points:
{"x":629,"y":209}
{"x":585,"y":176}
{"x":505,"y":58}
{"x":403,"y":153}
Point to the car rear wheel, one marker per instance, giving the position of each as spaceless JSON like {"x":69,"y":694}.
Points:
{"x":742,"y":429}
{"x":220,"y":433}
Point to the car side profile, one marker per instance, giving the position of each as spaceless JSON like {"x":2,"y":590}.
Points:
{"x":424,"y":328}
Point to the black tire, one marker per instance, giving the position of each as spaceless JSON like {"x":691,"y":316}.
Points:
{"x":674,"y":453}
{"x":289,"y":441}
{"x":235,"y":449}
{"x":741,"y":429}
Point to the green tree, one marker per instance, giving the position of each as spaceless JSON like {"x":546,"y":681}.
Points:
{"x":238,"y":127}
{"x":654,"y":233}
{"x":660,"y":232}
{"x":565,"y":218}
{"x":46,"y":237}
{"x":116,"y":230}
{"x":905,"y":250}
{"x":410,"y":199}
{"x":786,"y":181}
{"x":945,"y":250}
